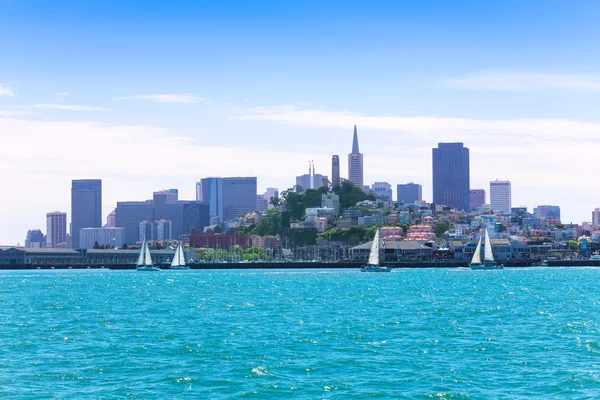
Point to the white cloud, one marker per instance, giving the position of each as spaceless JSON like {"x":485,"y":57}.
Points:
{"x":167,"y":98}
{"x":67,"y":107}
{"x":6,"y":91}
{"x":525,"y":82}
{"x":60,"y":95}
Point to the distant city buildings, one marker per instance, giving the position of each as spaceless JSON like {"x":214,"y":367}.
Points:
{"x":160,"y":199}
{"x":355,"y":163}
{"x":110,"y":219}
{"x":409,"y":193}
{"x":35,"y":239}
{"x":335,"y":171}
{"x":596,"y":217}
{"x":211,"y":193}
{"x":239,"y":196}
{"x":547,"y":212}
{"x":451,"y":180}
{"x":106,"y":237}
{"x":500,"y":196}
{"x":477,"y":198}
{"x":311,"y":180}
{"x":86,"y":206}
{"x":262,"y":204}
{"x":382,"y":190}
{"x":331,"y":200}
{"x":56,"y":230}
{"x":269,"y":195}
{"x":129,"y":214}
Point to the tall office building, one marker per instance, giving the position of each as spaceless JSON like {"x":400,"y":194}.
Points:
{"x":211,"y":193}
{"x":188,"y":217}
{"x":110,"y":220}
{"x":409,"y":193}
{"x":162,"y":230}
{"x":382,"y":190}
{"x":108,"y":237}
{"x":311,"y":180}
{"x":129,"y":214}
{"x":335,"y":171}
{"x":35,"y":239}
{"x":262,"y":204}
{"x":56,"y":230}
{"x":239,"y":196}
{"x":596,"y":217}
{"x":160,"y":198}
{"x":547,"y":212}
{"x":451,"y":176}
{"x":477,"y":198}
{"x":270,"y":194}
{"x":86,"y":206}
{"x":500,"y":197}
{"x":355,"y":163}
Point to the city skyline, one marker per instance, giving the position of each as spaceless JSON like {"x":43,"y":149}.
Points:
{"x":228,"y":107}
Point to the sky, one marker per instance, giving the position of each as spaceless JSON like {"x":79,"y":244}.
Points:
{"x":151,"y":95}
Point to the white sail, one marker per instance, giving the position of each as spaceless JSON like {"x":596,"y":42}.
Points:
{"x":148,"y":257}
{"x":488,"y":256}
{"x":178,"y":259}
{"x":181,"y":255}
{"x":140,"y":260}
{"x":476,"y":260}
{"x":374,"y":254}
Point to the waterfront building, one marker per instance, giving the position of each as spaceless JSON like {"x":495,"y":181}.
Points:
{"x":547,"y":212}
{"x":107,"y":237}
{"x":239,"y":197}
{"x":355,"y":163}
{"x":477,"y":197}
{"x":451,"y":176}
{"x":219,"y":241}
{"x":422,"y":233}
{"x":500,"y":196}
{"x":211,"y":193}
{"x":335,"y":171}
{"x":331,"y":200}
{"x":56,"y":230}
{"x":187,"y":217}
{"x":159,"y":199}
{"x":409,"y":193}
{"x":35,"y":239}
{"x":86,"y":206}
{"x":129,"y":214}
{"x":382,"y":190}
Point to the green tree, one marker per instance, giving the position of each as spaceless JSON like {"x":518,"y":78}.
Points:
{"x":573,"y":245}
{"x":559,"y":226}
{"x":254,"y":253}
{"x":440,"y":228}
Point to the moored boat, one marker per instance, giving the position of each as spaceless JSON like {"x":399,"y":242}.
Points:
{"x":488,"y":255}
{"x":373,"y":265}
{"x":144,"y":262}
{"x":178,"y":262}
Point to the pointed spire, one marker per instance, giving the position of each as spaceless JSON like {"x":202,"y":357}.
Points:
{"x":355,"y":142}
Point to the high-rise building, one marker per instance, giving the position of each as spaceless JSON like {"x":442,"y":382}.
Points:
{"x":477,"y":198}
{"x":409,"y":193}
{"x":160,"y":198}
{"x":262,"y":204}
{"x":311,"y":180}
{"x":382,"y":190}
{"x":500,"y":196}
{"x":35,"y":239}
{"x":110,"y":220}
{"x":107,"y":237}
{"x":270,"y":194}
{"x":239,"y":196}
{"x":596,"y":217}
{"x":547,"y":212}
{"x":355,"y":163}
{"x":451,"y":178}
{"x":335,"y":171}
{"x":129,"y":214}
{"x":56,"y":230}
{"x":211,"y":193}
{"x":162,"y":230}
{"x":146,"y":231}
{"x":188,"y":217}
{"x":86,"y":206}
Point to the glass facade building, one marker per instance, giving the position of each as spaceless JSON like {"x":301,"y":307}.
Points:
{"x":451,"y":179}
{"x":409,"y":193}
{"x":86,"y":206}
{"x":239,"y":196}
{"x":211,"y":193}
{"x":129,"y":214}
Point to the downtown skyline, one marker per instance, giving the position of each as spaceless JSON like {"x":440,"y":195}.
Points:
{"x":199,"y":98}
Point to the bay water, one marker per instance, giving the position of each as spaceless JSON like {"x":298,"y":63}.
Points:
{"x":300,"y":334}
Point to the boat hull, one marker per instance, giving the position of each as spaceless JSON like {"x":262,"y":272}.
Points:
{"x":180,"y":268}
{"x":369,"y":268}
{"x":486,"y":267}
{"x":149,"y":268}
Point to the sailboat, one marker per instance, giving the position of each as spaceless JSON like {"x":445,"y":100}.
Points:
{"x":488,"y":255}
{"x":373,"y":263}
{"x":179,"y":259}
{"x":144,"y":262}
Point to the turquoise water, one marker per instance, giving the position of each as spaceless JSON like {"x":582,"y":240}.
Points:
{"x":306,"y":334}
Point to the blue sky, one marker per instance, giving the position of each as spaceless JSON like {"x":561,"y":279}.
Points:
{"x":106,"y":88}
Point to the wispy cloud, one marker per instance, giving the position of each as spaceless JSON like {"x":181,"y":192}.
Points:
{"x":167,"y":98}
{"x":525,"y":82}
{"x":67,"y":107}
{"x":6,"y":91}
{"x":60,"y":96}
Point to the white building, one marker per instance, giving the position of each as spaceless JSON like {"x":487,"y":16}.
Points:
{"x":382,"y":190}
{"x":500,"y":196}
{"x":108,"y":237}
{"x":331,"y":200}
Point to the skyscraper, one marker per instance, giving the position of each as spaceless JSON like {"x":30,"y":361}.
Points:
{"x":500,"y":196}
{"x":86,"y":206}
{"x":239,"y":196}
{"x":596,"y":217}
{"x":187,"y":217}
{"x":56,"y":230}
{"x":160,"y":198}
{"x":547,"y":212}
{"x":129,"y":214}
{"x":311,"y":180}
{"x":335,"y":171}
{"x":409,"y":193}
{"x":477,"y":198}
{"x":451,"y":176}
{"x":35,"y":239}
{"x":382,"y":190}
{"x":355,"y":163}
{"x":211,"y":193}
